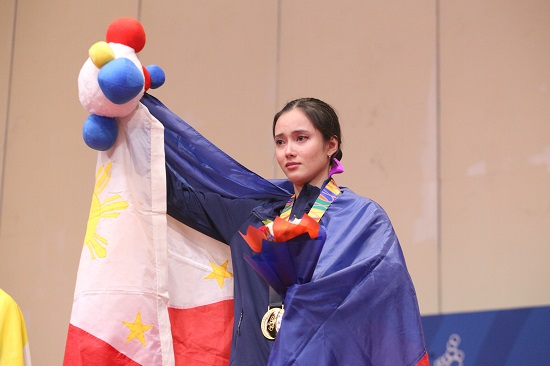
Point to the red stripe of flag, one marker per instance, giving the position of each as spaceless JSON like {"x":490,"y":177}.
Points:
{"x":84,"y":349}
{"x":202,"y":335}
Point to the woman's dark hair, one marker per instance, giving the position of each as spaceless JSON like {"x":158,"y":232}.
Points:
{"x":323,"y":117}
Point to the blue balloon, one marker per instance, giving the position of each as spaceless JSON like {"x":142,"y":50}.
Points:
{"x":157,"y":76}
{"x":120,"y":80}
{"x":100,"y":133}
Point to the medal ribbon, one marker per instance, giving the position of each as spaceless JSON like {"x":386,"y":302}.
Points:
{"x":326,"y":197}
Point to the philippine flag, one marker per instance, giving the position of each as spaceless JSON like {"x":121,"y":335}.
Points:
{"x":149,"y":290}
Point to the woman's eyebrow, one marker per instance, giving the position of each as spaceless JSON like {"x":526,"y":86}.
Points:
{"x":292,"y":132}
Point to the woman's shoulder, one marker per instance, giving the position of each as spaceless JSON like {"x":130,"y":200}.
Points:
{"x":350,"y":199}
{"x":349,"y":195}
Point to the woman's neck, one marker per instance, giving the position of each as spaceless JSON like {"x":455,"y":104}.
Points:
{"x":317,"y":181}
{"x":299,"y":188}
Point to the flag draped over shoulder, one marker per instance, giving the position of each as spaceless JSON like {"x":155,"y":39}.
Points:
{"x":135,"y":300}
{"x":361,"y":304}
{"x":14,"y":344}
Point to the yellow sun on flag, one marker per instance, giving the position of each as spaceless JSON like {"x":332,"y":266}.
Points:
{"x":219,"y":273}
{"x":137,"y":329}
{"x":100,"y":210}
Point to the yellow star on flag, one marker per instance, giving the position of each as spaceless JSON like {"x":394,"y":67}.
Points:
{"x":137,"y":329}
{"x":219,"y":273}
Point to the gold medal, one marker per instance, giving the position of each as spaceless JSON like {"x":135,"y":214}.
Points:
{"x":271,"y":322}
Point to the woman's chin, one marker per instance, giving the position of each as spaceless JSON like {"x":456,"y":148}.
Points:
{"x":295,"y":178}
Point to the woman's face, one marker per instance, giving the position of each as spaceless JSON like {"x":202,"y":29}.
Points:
{"x":301,"y":151}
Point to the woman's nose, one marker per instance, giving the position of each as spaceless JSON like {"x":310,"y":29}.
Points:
{"x":290,"y":150}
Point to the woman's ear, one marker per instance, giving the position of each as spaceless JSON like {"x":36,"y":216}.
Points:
{"x":332,"y":145}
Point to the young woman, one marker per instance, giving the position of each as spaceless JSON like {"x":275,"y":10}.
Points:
{"x":360,"y":306}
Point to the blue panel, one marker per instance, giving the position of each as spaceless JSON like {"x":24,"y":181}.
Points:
{"x":505,"y":337}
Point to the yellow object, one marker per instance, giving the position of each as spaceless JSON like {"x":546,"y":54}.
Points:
{"x":14,"y":344}
{"x":108,"y":209}
{"x":219,"y":273}
{"x":137,"y":329}
{"x":101,"y":53}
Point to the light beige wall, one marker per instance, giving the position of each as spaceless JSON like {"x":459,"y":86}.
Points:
{"x":220,"y":60}
{"x":444,"y":107}
{"x":495,"y":154}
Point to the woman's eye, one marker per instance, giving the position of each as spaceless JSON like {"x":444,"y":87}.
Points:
{"x":302,"y":138}
{"x":279,"y":142}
